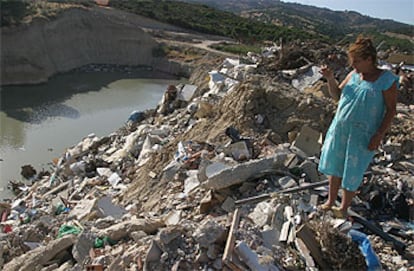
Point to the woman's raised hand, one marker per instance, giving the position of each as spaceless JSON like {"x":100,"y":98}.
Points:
{"x":326,"y":72}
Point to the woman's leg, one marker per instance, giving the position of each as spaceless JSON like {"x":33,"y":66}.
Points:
{"x":334,"y":184}
{"x":346,"y":199}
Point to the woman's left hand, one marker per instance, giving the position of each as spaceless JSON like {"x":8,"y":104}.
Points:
{"x":375,"y":142}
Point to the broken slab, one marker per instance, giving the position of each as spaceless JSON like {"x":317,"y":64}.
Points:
{"x":187,"y":92}
{"x":107,"y":208}
{"x":191,"y":182}
{"x":40,"y":256}
{"x":305,"y":253}
{"x":308,"y":141}
{"x":228,"y":205}
{"x":80,"y":250}
{"x":154,"y":252}
{"x":308,"y":237}
{"x":244,"y":171}
{"x":284,"y":233}
{"x":251,"y":259}
{"x":261,"y":213}
{"x":270,"y":237}
{"x":311,"y":170}
{"x":82,"y":209}
{"x":121,"y":230}
{"x":173,"y":218}
{"x":287,"y":182}
{"x":310,"y":77}
{"x":239,"y":151}
{"x":208,"y":202}
{"x":208,"y":233}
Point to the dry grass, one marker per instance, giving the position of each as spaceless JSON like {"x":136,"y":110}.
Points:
{"x":46,"y":10}
{"x":397,"y":58}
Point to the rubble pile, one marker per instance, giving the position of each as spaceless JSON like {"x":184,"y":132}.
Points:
{"x":222,"y":175}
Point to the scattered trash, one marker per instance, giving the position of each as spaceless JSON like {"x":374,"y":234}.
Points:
{"x":180,"y":187}
{"x":372,"y":260}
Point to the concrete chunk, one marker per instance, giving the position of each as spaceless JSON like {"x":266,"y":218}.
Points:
{"x":261,"y":213}
{"x":192,"y":182}
{"x":173,"y":217}
{"x":250,"y":258}
{"x":82,"y":209}
{"x":107,"y":208}
{"x":244,"y":171}
{"x":270,"y":237}
{"x":41,"y":255}
{"x":81,"y":249}
{"x":311,"y":170}
{"x":308,"y":141}
{"x":228,"y":205}
{"x":238,"y":151}
{"x":123,"y":229}
{"x":287,"y":182}
{"x":208,"y":233}
{"x":187,"y":92}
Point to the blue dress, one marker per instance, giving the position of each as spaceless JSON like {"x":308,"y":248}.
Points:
{"x":360,"y":112}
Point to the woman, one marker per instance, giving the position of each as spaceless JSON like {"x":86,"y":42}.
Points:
{"x":367,"y":104}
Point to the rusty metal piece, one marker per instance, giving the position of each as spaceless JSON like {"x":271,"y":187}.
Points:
{"x":285,"y":191}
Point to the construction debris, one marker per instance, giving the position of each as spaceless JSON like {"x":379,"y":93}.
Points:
{"x":221,"y":176}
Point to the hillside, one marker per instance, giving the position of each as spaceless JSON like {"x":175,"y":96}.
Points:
{"x":202,"y":18}
{"x":246,"y":21}
{"x":335,"y":25}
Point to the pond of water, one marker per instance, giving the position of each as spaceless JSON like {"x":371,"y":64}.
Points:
{"x":38,"y":122}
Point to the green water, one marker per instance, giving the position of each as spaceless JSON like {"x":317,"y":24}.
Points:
{"x":38,"y":122}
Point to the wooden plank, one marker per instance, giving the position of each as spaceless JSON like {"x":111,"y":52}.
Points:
{"x":228,"y":250}
{"x":284,"y":233}
{"x":305,"y":253}
{"x":314,"y":200}
{"x":307,"y":236}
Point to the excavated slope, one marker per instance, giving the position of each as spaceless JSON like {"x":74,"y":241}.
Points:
{"x":32,"y":52}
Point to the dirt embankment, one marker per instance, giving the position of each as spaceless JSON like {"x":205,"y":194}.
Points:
{"x":32,"y":52}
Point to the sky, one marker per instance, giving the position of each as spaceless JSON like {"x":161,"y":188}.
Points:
{"x":397,"y":10}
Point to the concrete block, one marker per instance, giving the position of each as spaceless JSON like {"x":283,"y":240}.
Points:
{"x":311,"y":170}
{"x":308,"y":141}
{"x":270,"y":238}
{"x":228,"y":205}
{"x":244,"y":171}
{"x":187,"y":92}
{"x":238,"y":151}
{"x":287,"y":182}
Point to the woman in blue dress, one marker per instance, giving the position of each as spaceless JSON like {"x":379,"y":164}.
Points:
{"x":367,"y":105}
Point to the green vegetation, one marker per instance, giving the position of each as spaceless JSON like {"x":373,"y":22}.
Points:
{"x":240,"y":49}
{"x":402,"y":45}
{"x":13,"y":12}
{"x":334,"y":26}
{"x":386,"y":41}
{"x":210,"y":21}
{"x":265,"y":21}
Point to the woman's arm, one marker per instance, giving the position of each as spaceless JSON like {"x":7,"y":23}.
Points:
{"x":333,"y":87}
{"x":390,"y":99}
